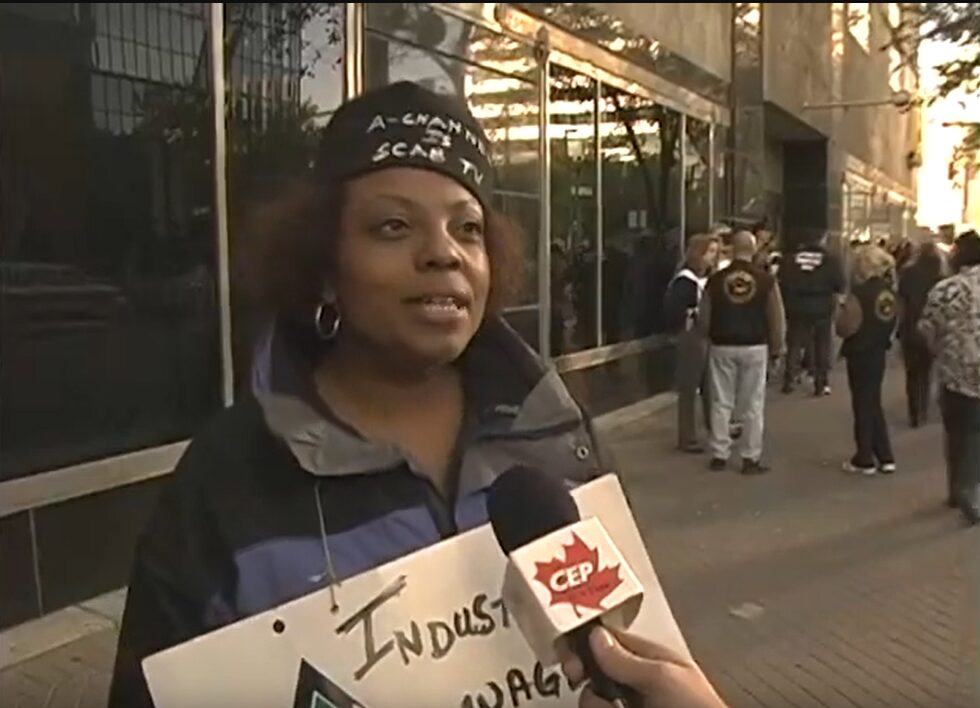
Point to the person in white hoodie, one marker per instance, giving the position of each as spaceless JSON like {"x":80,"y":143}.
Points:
{"x":683,"y":299}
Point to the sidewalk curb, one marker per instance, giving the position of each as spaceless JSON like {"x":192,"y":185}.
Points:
{"x":70,"y":624}
{"x":634,"y":411}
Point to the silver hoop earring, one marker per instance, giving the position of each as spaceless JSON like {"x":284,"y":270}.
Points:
{"x":326,"y":333}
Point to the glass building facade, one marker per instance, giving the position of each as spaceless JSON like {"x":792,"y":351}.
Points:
{"x":122,"y":213}
{"x":137,"y":142}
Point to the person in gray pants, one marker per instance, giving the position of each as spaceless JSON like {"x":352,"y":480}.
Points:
{"x":742,"y":315}
{"x":682,"y":301}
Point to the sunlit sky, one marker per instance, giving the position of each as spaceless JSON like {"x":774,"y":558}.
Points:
{"x":940,"y":200}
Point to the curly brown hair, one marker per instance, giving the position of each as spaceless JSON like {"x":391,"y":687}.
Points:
{"x":288,"y":252}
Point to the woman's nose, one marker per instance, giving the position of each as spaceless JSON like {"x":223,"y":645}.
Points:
{"x":440,"y":251}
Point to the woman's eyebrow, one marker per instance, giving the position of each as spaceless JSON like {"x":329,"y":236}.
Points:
{"x":398,"y":199}
{"x":408,"y":203}
{"x":466,"y":203}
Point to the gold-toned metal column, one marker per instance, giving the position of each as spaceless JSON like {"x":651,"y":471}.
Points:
{"x":220,"y":159}
{"x":542,"y":50}
{"x":353,"y":49}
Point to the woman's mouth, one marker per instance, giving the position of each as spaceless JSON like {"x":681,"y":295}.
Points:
{"x":440,"y":309}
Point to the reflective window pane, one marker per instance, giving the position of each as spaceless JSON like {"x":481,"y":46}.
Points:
{"x":722,"y":208}
{"x":697,"y":176}
{"x":614,"y":26}
{"x":108,"y":315}
{"x":273,"y":135}
{"x":574,"y":212}
{"x":495,"y":76}
{"x":641,"y":211}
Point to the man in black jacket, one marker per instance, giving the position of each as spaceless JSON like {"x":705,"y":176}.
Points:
{"x":811,"y":280}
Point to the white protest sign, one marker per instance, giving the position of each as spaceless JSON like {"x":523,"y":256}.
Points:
{"x":425,"y":631}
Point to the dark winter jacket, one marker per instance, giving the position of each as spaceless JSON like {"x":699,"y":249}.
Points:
{"x":809,"y":280}
{"x":277,"y":499}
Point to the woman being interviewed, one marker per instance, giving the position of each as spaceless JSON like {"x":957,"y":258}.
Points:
{"x":386,"y":398}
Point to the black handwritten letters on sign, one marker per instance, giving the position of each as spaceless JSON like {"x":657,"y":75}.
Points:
{"x":431,"y":639}
{"x":518,"y":688}
{"x":434,"y":639}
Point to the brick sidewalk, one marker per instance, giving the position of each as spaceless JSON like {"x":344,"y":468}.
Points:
{"x":801,"y":588}
{"x":807,"y":587}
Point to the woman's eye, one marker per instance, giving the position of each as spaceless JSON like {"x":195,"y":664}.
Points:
{"x":472,"y":229}
{"x":393,"y":228}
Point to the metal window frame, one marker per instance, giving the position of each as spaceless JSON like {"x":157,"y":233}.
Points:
{"x":354,"y":26}
{"x":600,"y":236}
{"x":45,"y":488}
{"x":711,"y":175}
{"x":217,"y":60}
{"x":542,"y":51}
{"x":682,"y":144}
{"x":597,"y":356}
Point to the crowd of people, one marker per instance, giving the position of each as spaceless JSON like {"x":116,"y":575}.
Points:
{"x":739,"y":311}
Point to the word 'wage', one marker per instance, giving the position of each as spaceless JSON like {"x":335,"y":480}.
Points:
{"x":517,"y":686}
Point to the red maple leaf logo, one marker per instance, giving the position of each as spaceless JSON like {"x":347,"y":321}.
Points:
{"x":577,"y":579}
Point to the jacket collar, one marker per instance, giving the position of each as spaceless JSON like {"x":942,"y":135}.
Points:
{"x":509,"y":393}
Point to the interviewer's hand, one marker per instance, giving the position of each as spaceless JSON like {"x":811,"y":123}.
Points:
{"x":662,"y":678}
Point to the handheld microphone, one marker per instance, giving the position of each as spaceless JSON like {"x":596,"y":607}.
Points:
{"x":534,"y":518}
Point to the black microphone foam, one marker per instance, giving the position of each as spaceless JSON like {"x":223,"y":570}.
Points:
{"x":525,"y":504}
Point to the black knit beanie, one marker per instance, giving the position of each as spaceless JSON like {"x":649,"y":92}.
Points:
{"x":406,"y":125}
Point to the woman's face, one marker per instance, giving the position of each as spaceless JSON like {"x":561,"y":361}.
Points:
{"x":412,"y":270}
{"x":711,"y":256}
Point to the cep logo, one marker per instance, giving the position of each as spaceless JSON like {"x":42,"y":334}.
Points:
{"x":576,"y":579}
{"x":570,"y":578}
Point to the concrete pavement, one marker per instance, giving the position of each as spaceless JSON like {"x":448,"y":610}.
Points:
{"x":808,"y":587}
{"x":804,"y":587}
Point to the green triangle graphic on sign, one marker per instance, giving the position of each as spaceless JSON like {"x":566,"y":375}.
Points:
{"x":321,"y":701}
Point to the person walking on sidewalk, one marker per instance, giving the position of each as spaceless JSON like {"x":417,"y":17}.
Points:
{"x":683,"y":298}
{"x":866,"y":322}
{"x":811,"y":280}
{"x":743,"y":318}
{"x":950,"y":325}
{"x":914,"y":283}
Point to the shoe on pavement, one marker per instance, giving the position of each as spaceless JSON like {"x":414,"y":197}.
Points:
{"x":717,"y":464}
{"x":825,"y":391}
{"x":887,"y":468}
{"x":851,"y":468}
{"x":752,"y":467}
